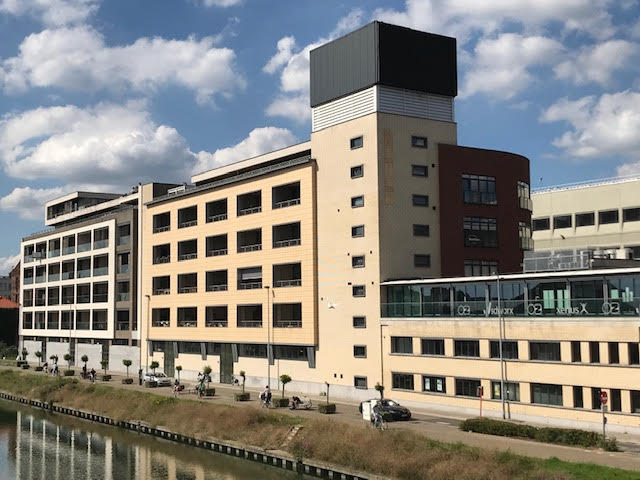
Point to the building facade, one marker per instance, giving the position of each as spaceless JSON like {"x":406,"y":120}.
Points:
{"x":14,"y":277}
{"x":5,"y":286}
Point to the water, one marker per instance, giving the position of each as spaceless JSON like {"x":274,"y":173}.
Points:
{"x":36,"y":445}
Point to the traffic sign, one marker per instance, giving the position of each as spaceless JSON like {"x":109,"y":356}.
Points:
{"x":603,"y":397}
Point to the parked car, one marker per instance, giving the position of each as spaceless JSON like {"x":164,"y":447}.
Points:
{"x":390,"y":409}
{"x":159,"y":377}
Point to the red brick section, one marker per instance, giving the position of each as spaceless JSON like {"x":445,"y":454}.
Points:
{"x":6,"y":303}
{"x":507,"y":168}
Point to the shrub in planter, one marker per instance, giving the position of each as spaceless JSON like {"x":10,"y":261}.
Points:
{"x":281,"y":402}
{"x":38,"y":369}
{"x":106,"y":378}
{"x":242,"y":397}
{"x":150,"y":384}
{"x":327,"y":408}
{"x":209,"y":392}
{"x":25,"y":366}
{"x":69,"y":373}
{"x":127,"y":381}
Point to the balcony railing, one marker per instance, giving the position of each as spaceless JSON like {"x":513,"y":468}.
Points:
{"x":100,"y":244}
{"x":28,"y":280}
{"x":84,"y":299}
{"x":217,"y":288}
{"x":67,"y":300}
{"x":247,"y":211}
{"x":250,"y":248}
{"x":123,"y":269}
{"x":122,"y":326}
{"x":99,"y":297}
{"x":157,"y":260}
{"x":249,"y":323}
{"x":287,"y":323}
{"x":217,"y":218}
{"x":54,"y":277}
{"x":287,"y":283}
{"x":65,"y":325}
{"x":159,"y":323}
{"x":53,"y":301}
{"x":54,"y":253}
{"x":216,"y":323}
{"x":82,"y":325}
{"x":52,"y":324}
{"x":40,"y":324}
{"x":161,"y":291}
{"x":69,"y":250}
{"x":40,"y":302}
{"x":40,"y":279}
{"x":162,"y":228}
{"x":287,"y":203}
{"x":99,"y":325}
{"x":84,"y":247}
{"x":124,"y":240}
{"x":27,"y":325}
{"x":249,"y":285}
{"x":84,"y":273}
{"x":123,"y":297}
{"x":97,"y":272}
{"x":286,"y":243}
{"x":28,"y":258}
{"x":216,"y":253}
{"x":189,"y":223}
{"x":526,"y":243}
{"x":67,"y":275}
{"x":187,"y":323}
{"x":187,"y":256}
{"x":27,"y":303}
{"x":187,"y":289}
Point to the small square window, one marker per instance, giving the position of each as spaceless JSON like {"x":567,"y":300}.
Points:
{"x":422,"y":261}
{"x":359,"y":291}
{"x":357,"y":171}
{"x":355,"y":143}
{"x":357,"y":261}
{"x":419,"y":170}
{"x":420,"y":230}
{"x":357,"y":231}
{"x":359,"y":322}
{"x":357,"y":202}
{"x":360,"y":382}
{"x":419,"y":142}
{"x":420,"y":200}
{"x":360,"y":351}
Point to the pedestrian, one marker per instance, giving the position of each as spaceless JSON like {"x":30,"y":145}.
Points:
{"x":92,"y":375}
{"x":140,"y":376}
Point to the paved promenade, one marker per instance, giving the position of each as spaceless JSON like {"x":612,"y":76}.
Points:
{"x":431,"y":424}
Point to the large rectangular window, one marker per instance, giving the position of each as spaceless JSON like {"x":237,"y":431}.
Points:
{"x":480,"y":232}
{"x":160,"y":317}
{"x":614,"y":353}
{"x":509,"y":349}
{"x":634,"y":353}
{"x":631,"y":215}
{"x":578,"y":401}
{"x":594,"y":352}
{"x":422,"y":261}
{"x":420,"y":200}
{"x":216,"y":211}
{"x":512,"y":389}
{"x":466,"y":387}
{"x":434,"y":384}
{"x":539,"y":224}
{"x":401,"y":345}
{"x":562,"y":221}
{"x":576,"y":353}
{"x":249,"y":316}
{"x":188,"y":317}
{"x":608,"y":216}
{"x":402,"y":381}
{"x":585,"y":219}
{"x":432,"y":346}
{"x":546,"y":394}
{"x":360,"y":382}
{"x":420,"y":230}
{"x":474,"y":268}
{"x":216,"y":316}
{"x":466,"y":348}
{"x":544,"y":351}
{"x":479,"y":189}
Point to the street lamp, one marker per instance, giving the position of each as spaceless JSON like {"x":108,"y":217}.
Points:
{"x":268,"y":289}
{"x":148,"y":297}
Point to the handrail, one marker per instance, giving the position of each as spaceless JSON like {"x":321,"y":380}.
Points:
{"x":249,"y":285}
{"x":287,"y":283}
{"x":250,"y":210}
{"x":249,"y":248}
{"x":286,"y":203}
{"x":286,"y":243}
{"x":216,"y":218}
{"x":216,"y":253}
{"x":217,"y":288}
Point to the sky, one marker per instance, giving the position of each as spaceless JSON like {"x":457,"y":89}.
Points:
{"x":100,"y":95}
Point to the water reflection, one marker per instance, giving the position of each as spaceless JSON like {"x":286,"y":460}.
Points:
{"x":39,"y":446}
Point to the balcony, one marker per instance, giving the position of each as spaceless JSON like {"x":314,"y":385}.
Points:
{"x":249,"y":323}
{"x":97,"y":272}
{"x":54,"y":253}
{"x":40,"y":323}
{"x":216,"y":245}
{"x":216,"y":317}
{"x":188,"y":317}
{"x":188,"y":283}
{"x":67,"y":299}
{"x":188,"y":217}
{"x":160,"y":317}
{"x":84,"y":247}
{"x":249,"y":278}
{"x":123,"y":297}
{"x":40,"y":279}
{"x":100,"y":298}
{"x":250,"y":240}
{"x":286,"y":195}
{"x":69,"y":245}
{"x":286,"y":235}
{"x":101,"y":238}
{"x":161,"y":254}
{"x":287,"y":323}
{"x":28,"y":280}
{"x":217,"y":211}
{"x":99,"y":325}
{"x":287,"y":283}
{"x":187,"y":250}
{"x":124,"y":240}
{"x":217,"y":281}
{"x":249,"y":203}
{"x":123,"y":235}
{"x":120,"y":326}
{"x":161,"y":291}
{"x":287,"y":315}
{"x":40,"y":300}
{"x":67,"y":275}
{"x":54,"y":273}
{"x":69,"y":250}
{"x":161,"y":285}
{"x":84,"y":273}
{"x":82,"y":324}
{"x":161,"y":222}
{"x":85,"y":298}
{"x":249,"y":316}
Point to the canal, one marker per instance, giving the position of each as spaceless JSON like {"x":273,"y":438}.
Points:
{"x":44,"y":446}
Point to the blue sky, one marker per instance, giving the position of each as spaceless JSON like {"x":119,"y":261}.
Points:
{"x":105,"y":94}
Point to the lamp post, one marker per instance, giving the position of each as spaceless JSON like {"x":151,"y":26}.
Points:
{"x":267,"y":288}
{"x":148,"y":297}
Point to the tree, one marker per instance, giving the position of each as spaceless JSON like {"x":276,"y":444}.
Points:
{"x":207,"y":374}
{"x":380,"y":388}
{"x":85,"y":359}
{"x":178,"y":369}
{"x":24,"y":354}
{"x":153,"y":366}
{"x":244,"y":378}
{"x":67,"y":357}
{"x":39,"y":355}
{"x":127,"y":363}
{"x":284,"y":379}
{"x":54,"y":358}
{"x":105,"y":364}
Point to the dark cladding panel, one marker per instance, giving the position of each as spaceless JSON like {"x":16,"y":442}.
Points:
{"x":344,"y":66}
{"x":417,"y":60}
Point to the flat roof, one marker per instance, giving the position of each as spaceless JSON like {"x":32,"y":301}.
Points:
{"x":80,"y":194}
{"x":587,"y":184}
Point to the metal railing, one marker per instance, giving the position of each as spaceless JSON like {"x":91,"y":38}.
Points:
{"x":159,"y":323}
{"x":187,"y":323}
{"x":122,"y":326}
{"x":123,"y":297}
{"x":97,"y":244}
{"x":54,"y":277}
{"x":99,"y":297}
{"x":286,"y":243}
{"x":287,"y":323}
{"x":97,"y":272}
{"x":249,"y":323}
{"x":161,"y":291}
{"x":99,"y":326}
{"x":287,"y":203}
{"x":249,"y":248}
{"x":216,"y":253}
{"x":162,"y":228}
{"x":216,"y":323}
{"x":190,"y":223}
{"x":187,"y":256}
{"x":216,"y":218}
{"x":217,"y":288}
{"x":158,"y":260}
{"x":187,"y":289}
{"x":248,"y":211}
{"x":287,"y":283}
{"x":124,"y":240}
{"x":84,"y":273}
{"x":249,"y":285}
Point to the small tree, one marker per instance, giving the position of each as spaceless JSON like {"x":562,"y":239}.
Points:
{"x":178,"y":369}
{"x":127,"y":363}
{"x":207,"y":374}
{"x":153,"y":366}
{"x":244,"y":378}
{"x":39,"y":355}
{"x":284,"y":379}
{"x":105,"y":364}
{"x":85,"y":359}
{"x":24,"y":354}
{"x":54,"y":358}
{"x":67,"y":357}
{"x":380,"y":388}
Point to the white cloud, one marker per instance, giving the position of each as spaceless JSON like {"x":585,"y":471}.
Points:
{"x":259,"y":141}
{"x":597,"y":63}
{"x":501,"y":66}
{"x":285,"y":48}
{"x":51,"y":12}
{"x":600,"y":127}
{"x":221,"y":3}
{"x":295,"y":108}
{"x":78,"y":59}
{"x":28,"y":202}
{"x":7,"y":263}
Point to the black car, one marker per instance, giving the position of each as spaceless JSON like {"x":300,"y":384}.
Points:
{"x":391,"y":410}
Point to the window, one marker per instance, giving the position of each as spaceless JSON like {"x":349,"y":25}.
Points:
{"x":576,"y":354}
{"x":249,"y":278}
{"x":418,"y":142}
{"x":434,"y":384}
{"x":479,"y":189}
{"x":355,"y":143}
{"x":160,"y":317}
{"x":562,"y":221}
{"x":420,"y":230}
{"x":422,"y":261}
{"x":357,"y":171}
{"x":161,"y":222}
{"x":419,"y":171}
{"x":635,"y":401}
{"x":634,"y":354}
{"x":187,"y":250}
{"x":578,"y":401}
{"x":357,"y":261}
{"x":187,"y":317}
{"x":595,"y":398}
{"x":401,"y":345}
{"x":161,"y":253}
{"x":252,"y":350}
{"x":216,"y":317}
{"x":188,"y":283}
{"x":122,"y":320}
{"x":524,"y":195}
{"x":99,"y":320}
{"x":466,"y":348}
{"x":190,"y":348}
{"x":161,"y":285}
{"x":357,"y":231}
{"x":631,"y":215}
{"x":359,"y":322}
{"x":216,"y":211}
{"x":544,"y":351}
{"x":616,"y":400}
{"x":480,"y":232}
{"x":594,"y":352}
{"x":546,"y":394}
{"x":357,"y":202}
{"x":290,"y":352}
{"x":585,"y":219}
{"x":249,"y":240}
{"x":249,"y":316}
{"x":284,"y":196}
{"x":432,"y":346}
{"x":509,"y":349}
{"x":539,"y":224}
{"x":512,"y":389}
{"x":360,"y":351}
{"x":188,"y":217}
{"x":420,"y":200}
{"x":287,"y":315}
{"x":466,"y":387}
{"x":614,"y":353}
{"x":359,"y":291}
{"x":608,"y":216}
{"x":100,"y":238}
{"x":473,"y":268}
{"x":360,"y":382}
{"x":216,"y":281}
{"x":403,"y":381}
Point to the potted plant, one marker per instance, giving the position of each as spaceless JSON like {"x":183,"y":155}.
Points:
{"x":39,"y":367}
{"x":153,"y":366}
{"x":84,"y":359}
{"x":127,"y":363}
{"x":105,"y":365}
{"x":23,"y":363}
{"x":327,"y":407}
{"x":152,"y":383}
{"x":380,"y":389}
{"x":283,"y":402}
{"x":69,"y":372}
{"x":209,"y":392}
{"x":244,"y":396}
